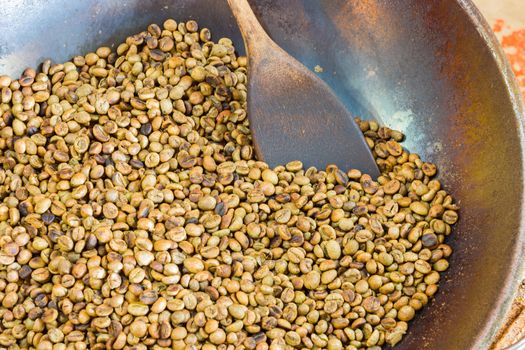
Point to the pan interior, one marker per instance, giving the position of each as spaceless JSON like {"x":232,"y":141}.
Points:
{"x":426,"y":68}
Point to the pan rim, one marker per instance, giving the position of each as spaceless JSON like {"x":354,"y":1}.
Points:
{"x":516,"y":272}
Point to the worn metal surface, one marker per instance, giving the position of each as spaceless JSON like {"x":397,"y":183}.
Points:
{"x":430,"y":68}
{"x":507,"y":19}
{"x":285,"y":96}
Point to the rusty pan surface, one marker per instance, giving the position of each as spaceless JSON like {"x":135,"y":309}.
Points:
{"x":429,"y":68}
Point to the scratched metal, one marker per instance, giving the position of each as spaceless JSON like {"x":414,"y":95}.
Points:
{"x":431,"y":68}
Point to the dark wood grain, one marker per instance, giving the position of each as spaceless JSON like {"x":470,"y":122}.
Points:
{"x":293,"y":114}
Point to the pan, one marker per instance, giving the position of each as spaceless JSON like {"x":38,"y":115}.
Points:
{"x":431,"y":69}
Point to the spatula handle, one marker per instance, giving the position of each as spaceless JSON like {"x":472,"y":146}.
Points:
{"x":255,"y":37}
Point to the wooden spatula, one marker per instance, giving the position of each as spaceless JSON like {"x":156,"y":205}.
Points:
{"x":293,"y":114}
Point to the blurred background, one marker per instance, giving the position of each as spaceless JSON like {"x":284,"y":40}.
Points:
{"x":507,"y":18}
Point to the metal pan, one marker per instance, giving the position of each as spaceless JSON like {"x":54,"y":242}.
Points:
{"x":430,"y":68}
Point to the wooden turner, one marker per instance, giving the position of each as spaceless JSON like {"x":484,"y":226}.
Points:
{"x":293,"y":114}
